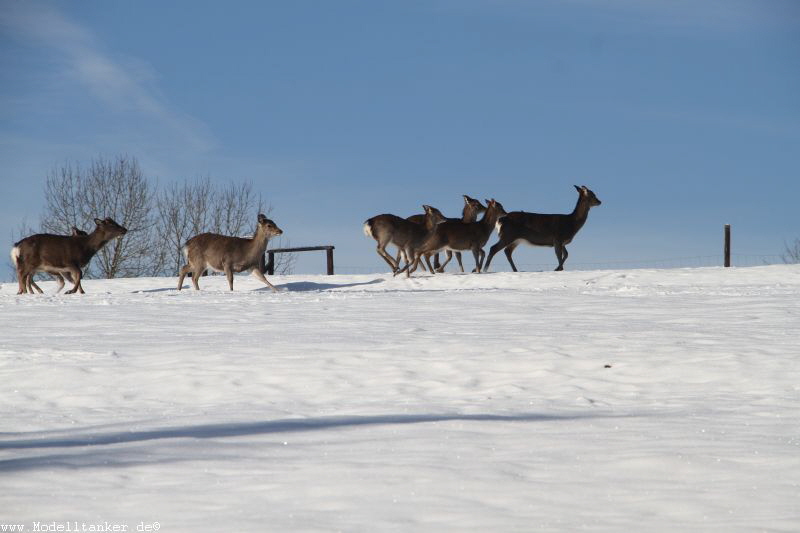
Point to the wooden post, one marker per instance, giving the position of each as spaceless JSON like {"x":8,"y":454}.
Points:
{"x":727,"y":245}
{"x":271,"y":263}
{"x":329,"y":253}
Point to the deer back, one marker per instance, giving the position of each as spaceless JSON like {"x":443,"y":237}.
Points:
{"x":240,"y":253}
{"x":548,"y":229}
{"x":388,"y":228}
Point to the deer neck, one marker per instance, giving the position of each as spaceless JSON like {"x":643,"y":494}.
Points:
{"x":95,"y":240}
{"x":468,"y":214}
{"x":488,"y":221}
{"x":430,"y":223}
{"x":258,"y":243}
{"x":581,"y":211}
{"x":259,"y":238}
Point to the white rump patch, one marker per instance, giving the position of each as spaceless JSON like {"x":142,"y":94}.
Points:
{"x":15,"y":255}
{"x":368,"y":230}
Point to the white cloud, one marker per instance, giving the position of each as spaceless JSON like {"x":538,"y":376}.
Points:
{"x":121,"y":85}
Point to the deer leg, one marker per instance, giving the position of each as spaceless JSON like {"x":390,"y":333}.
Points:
{"x":229,"y":275}
{"x":186,"y":269}
{"x":400,"y":271}
{"x":561,"y":254}
{"x":76,"y":279}
{"x":22,"y":277}
{"x":478,"y":259}
{"x":411,"y":266}
{"x":60,"y":280}
{"x":436,"y":265}
{"x":194,"y":271}
{"x":431,"y":268}
{"x":31,"y":285}
{"x":460,"y":264}
{"x":510,"y":250}
{"x":386,"y":257}
{"x":406,"y":267}
{"x":406,"y":257}
{"x":260,"y":275}
{"x":422,"y":266}
{"x":482,"y":256}
{"x":196,"y":277}
{"x":499,"y":245}
{"x":440,"y":268}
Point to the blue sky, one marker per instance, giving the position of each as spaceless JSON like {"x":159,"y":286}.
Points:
{"x":680,"y":115}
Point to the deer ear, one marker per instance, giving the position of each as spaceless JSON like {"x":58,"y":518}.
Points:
{"x":578,"y":188}
{"x":98,"y":221}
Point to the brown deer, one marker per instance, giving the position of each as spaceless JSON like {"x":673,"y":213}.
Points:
{"x":228,"y":254}
{"x":59,"y":278}
{"x":390,"y":229}
{"x":472,"y":208}
{"x":543,"y":230}
{"x":61,"y":254}
{"x":459,"y":236}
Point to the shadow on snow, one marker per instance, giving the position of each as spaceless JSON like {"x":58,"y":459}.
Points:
{"x":105,"y":457}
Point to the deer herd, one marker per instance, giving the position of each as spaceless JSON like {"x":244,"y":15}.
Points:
{"x":417,"y":237}
{"x":426,"y":235}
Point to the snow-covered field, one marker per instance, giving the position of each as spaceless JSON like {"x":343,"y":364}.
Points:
{"x":619,"y":401}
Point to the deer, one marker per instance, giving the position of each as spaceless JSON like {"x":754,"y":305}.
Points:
{"x":391,"y":229}
{"x":230,"y":255}
{"x":59,"y":278}
{"x":459,"y":236}
{"x":543,"y":230}
{"x":61,"y":254}
{"x":472,"y":208}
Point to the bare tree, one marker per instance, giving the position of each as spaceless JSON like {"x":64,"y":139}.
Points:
{"x":113,"y":188}
{"x":233,"y":208}
{"x":792,"y":253}
{"x":63,"y":203}
{"x":181,"y":211}
{"x":159,"y":222}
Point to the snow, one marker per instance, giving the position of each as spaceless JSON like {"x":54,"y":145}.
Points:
{"x":630,"y":400}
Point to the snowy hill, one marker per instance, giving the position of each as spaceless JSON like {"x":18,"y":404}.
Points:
{"x":641,"y":400}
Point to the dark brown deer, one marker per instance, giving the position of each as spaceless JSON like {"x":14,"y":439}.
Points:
{"x":228,"y":254}
{"x":543,"y":230}
{"x":458,"y":236}
{"x":61,"y":254}
{"x":59,"y":278}
{"x":390,"y":229}
{"x":472,"y":208}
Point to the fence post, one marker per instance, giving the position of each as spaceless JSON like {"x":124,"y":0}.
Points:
{"x":271,"y":263}
{"x":329,"y":253}
{"x":727,"y":245}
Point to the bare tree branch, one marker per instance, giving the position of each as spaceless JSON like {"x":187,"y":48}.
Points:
{"x":792,"y":253}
